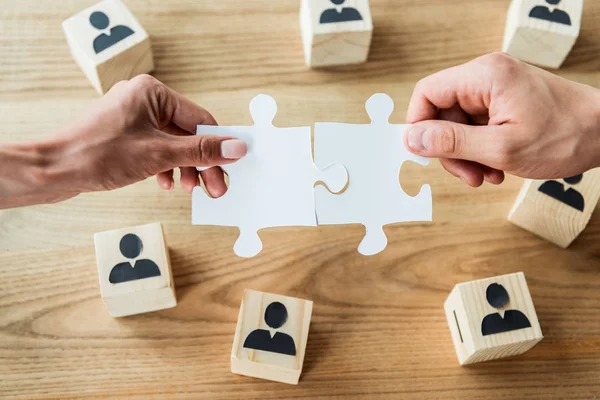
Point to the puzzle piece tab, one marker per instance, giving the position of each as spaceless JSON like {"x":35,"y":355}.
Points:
{"x":373,"y":155}
{"x":272,"y":185}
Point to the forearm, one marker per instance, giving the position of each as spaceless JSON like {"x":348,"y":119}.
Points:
{"x":27,"y":174}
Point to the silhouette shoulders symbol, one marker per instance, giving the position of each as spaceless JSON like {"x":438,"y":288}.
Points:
{"x":131,"y":247}
{"x":100,"y":21}
{"x":513,"y":320}
{"x":281,"y":343}
{"x":544,"y":13}
{"x":332,"y":15}
{"x":570,"y":197}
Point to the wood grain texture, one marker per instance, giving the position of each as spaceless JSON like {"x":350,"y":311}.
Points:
{"x":124,"y":59}
{"x":284,"y":368}
{"x":378,"y":329}
{"x":335,"y":43}
{"x":551,"y":218}
{"x":137,"y":296}
{"x":467,"y":307}
{"x":539,"y":41}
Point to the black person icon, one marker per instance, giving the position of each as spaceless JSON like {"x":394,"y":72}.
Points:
{"x":100,"y":21}
{"x":346,"y":14}
{"x":131,"y":247}
{"x":543,"y":12}
{"x":570,"y":197}
{"x":512,"y":320}
{"x":261,"y":339}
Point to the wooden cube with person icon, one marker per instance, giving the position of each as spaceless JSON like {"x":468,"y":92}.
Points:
{"x":542,"y":32}
{"x":270,"y":336}
{"x":109,"y":44}
{"x":335,"y":32}
{"x":134,"y":270}
{"x":492,"y":318}
{"x":557,"y":210}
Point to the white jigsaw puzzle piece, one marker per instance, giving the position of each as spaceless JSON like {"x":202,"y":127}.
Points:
{"x":273,"y":185}
{"x":373,"y":155}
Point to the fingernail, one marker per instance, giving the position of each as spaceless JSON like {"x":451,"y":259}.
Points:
{"x":417,"y":139}
{"x":233,"y":149}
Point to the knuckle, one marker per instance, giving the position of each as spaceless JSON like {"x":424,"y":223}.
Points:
{"x":206,"y":151}
{"x":420,"y":85}
{"x":155,"y":96}
{"x":451,"y":141}
{"x":144,"y":82}
{"x":506,"y":154}
{"x":499,"y":63}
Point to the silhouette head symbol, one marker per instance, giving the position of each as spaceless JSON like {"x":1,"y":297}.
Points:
{"x":99,"y":20}
{"x":338,"y":2}
{"x":573,"y":180}
{"x":553,"y":2}
{"x":496,"y":295}
{"x":275,"y":315}
{"x":130,"y":245}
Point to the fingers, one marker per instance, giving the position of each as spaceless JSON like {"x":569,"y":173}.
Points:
{"x":467,"y":85}
{"x":445,"y":139}
{"x":492,"y":175}
{"x":189,"y":179}
{"x":165,"y":179}
{"x":214,"y":180}
{"x":204,"y":151}
{"x":187,"y":115}
{"x":470,"y":172}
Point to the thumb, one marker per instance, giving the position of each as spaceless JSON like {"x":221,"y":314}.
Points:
{"x":206,"y":150}
{"x":445,"y":139}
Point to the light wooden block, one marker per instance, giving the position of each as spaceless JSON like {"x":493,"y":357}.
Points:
{"x":484,"y":330}
{"x":254,"y":335}
{"x":557,"y":210}
{"x":135,"y":275}
{"x":115,"y":48}
{"x":335,"y":32}
{"x":542,"y":32}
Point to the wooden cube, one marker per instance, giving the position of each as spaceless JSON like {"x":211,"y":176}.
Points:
{"x":557,"y":210}
{"x":109,"y":44}
{"x":335,"y":32}
{"x":492,"y":318}
{"x":270,"y":337}
{"x":542,"y":32}
{"x":134,"y":270}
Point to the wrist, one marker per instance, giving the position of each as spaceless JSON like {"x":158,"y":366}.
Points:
{"x":30,"y":168}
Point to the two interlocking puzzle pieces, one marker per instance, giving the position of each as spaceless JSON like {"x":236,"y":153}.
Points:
{"x":542,"y":32}
{"x":109,"y":44}
{"x":273,"y":184}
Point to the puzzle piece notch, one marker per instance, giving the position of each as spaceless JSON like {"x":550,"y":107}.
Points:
{"x":334,"y":176}
{"x":373,"y":164}
{"x":276,"y":156}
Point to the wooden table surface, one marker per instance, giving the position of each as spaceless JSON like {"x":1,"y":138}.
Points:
{"x":378,"y":328}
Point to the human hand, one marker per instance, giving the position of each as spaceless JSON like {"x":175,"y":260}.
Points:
{"x":496,"y":114}
{"x":140,"y":128}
